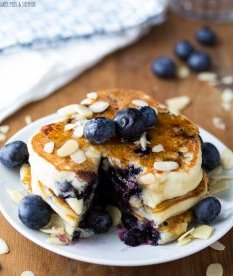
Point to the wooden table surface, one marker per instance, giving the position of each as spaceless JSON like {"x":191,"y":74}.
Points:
{"x":130,"y":68}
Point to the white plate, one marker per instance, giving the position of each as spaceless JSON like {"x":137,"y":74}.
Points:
{"x":107,"y":249}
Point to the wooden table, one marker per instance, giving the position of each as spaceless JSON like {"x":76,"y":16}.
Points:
{"x":130,"y":68}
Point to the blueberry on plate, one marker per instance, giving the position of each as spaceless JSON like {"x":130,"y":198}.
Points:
{"x":99,"y":130}
{"x":207,"y":210}
{"x":34,"y":212}
{"x":134,"y":237}
{"x":206,"y":36}
{"x":164,"y":67}
{"x":210,"y":157}
{"x":129,"y":221}
{"x":149,"y":115}
{"x":199,"y":62}
{"x":98,"y":220}
{"x":183,"y":49}
{"x":130,"y":124}
{"x":14,"y":154}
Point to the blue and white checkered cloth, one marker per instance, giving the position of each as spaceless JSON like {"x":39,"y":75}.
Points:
{"x":46,"y":45}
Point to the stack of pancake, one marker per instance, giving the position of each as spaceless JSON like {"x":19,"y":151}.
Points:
{"x":170,"y":178}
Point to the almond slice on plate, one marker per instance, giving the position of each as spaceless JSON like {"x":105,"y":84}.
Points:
{"x":49,"y":147}
{"x":158,"y":148}
{"x":99,"y":107}
{"x":227,"y":159}
{"x":184,"y":241}
{"x":139,"y":103}
{"x":92,"y":95}
{"x":219,"y":187}
{"x":166,"y":166}
{"x":78,"y":157}
{"x":86,"y":101}
{"x":186,"y":234}
{"x":202,"y":232}
{"x":69,"y":147}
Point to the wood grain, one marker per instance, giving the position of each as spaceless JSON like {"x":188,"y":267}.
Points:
{"x":130,"y":68}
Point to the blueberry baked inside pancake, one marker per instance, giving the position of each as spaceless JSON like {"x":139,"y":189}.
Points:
{"x":119,"y":158}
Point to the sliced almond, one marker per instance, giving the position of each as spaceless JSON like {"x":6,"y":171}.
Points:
{"x":16,"y":195}
{"x":227,"y":95}
{"x":202,"y":232}
{"x":68,"y":109}
{"x":214,"y":270}
{"x":79,"y":117}
{"x":27,"y":273}
{"x":86,"y":101}
{"x":69,"y":126}
{"x":69,"y":147}
{"x":75,"y":204}
{"x":228,"y":80}
{"x":99,"y":107}
{"x":157,"y":148}
{"x":183,"y":72}
{"x":207,"y":76}
{"x":2,"y":137}
{"x":148,"y":179}
{"x":78,"y":132}
{"x":4,"y":249}
{"x":219,"y":187}
{"x":218,"y":246}
{"x":28,"y":119}
{"x":227,"y":159}
{"x":186,"y":234}
{"x":184,"y":241}
{"x":78,"y":157}
{"x":92,"y":95}
{"x":139,"y":103}
{"x":166,"y":166}
{"x":92,"y":154}
{"x":85,"y":111}
{"x":4,"y":129}
{"x":143,"y":141}
{"x":216,"y":171}
{"x":49,"y":147}
{"x":218,"y":123}
{"x":115,"y":213}
{"x":177,"y":104}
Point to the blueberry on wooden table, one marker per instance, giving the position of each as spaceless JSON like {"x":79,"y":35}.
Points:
{"x":210,"y":157}
{"x":206,"y":36}
{"x":183,"y":49}
{"x":164,"y":67}
{"x":14,"y":154}
{"x":207,"y":210}
{"x":99,"y":130}
{"x":34,"y":212}
{"x":199,"y":62}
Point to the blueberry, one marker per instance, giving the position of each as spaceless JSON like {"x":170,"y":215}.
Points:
{"x":34,"y":212}
{"x":206,"y":36}
{"x":207,"y":210}
{"x":130,"y":124}
{"x":164,"y":67}
{"x":199,"y":62}
{"x":183,"y":49}
{"x":129,"y":221}
{"x":149,"y":115}
{"x":210,"y":157}
{"x":14,"y":154}
{"x":99,"y":130}
{"x":99,"y":220}
{"x":133,"y":237}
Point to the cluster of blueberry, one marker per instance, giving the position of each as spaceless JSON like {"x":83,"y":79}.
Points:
{"x":165,"y":67}
{"x":128,"y":124}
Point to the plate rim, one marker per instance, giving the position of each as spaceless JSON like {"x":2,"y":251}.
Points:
{"x":58,"y":249}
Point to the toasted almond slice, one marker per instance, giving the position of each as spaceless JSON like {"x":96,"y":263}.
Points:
{"x":158,"y":148}
{"x":99,"y":107}
{"x":78,"y":157}
{"x":219,"y":187}
{"x":214,"y":270}
{"x":27,"y":273}
{"x":4,"y":129}
{"x":207,"y":76}
{"x":228,"y":80}
{"x":69,"y":147}
{"x":184,"y":241}
{"x":78,"y":132}
{"x":68,"y":109}
{"x":92,"y":95}
{"x":49,"y":147}
{"x":92,"y":154}
{"x":4,"y":249}
{"x":177,"y":104}
{"x":218,"y":246}
{"x":202,"y":232}
{"x":227,"y":95}
{"x":183,"y":72}
{"x":186,"y":234}
{"x":79,"y":117}
{"x":227,"y":159}
{"x":86,"y":101}
{"x":28,"y":119}
{"x":69,"y":126}
{"x":139,"y":103}
{"x":115,"y":213}
{"x":2,"y":137}
{"x":16,"y":195}
{"x":148,"y":179}
{"x":166,"y":166}
{"x":218,"y":123}
{"x":216,"y":171}
{"x":85,"y":111}
{"x":143,"y":141}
